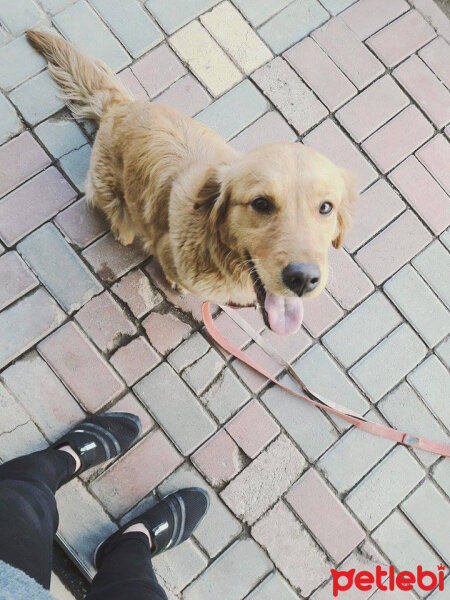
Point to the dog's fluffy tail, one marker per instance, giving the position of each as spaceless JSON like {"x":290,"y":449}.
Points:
{"x":89,"y":85}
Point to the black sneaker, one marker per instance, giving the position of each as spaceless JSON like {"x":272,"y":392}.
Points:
{"x":170,"y":522}
{"x":101,"y":437}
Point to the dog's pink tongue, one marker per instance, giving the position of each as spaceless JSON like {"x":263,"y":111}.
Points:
{"x":285,"y":314}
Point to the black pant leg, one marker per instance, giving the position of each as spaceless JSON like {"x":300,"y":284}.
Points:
{"x":28,"y":513}
{"x":126,"y":572}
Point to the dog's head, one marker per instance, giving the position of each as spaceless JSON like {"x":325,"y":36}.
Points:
{"x":280,"y":207}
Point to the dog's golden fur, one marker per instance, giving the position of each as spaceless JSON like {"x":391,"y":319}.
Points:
{"x":174,"y":184}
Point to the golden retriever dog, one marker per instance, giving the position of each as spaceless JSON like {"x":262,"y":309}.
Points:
{"x":226,"y":226}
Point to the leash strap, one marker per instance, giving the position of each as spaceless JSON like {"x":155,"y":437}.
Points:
{"x":318,"y":400}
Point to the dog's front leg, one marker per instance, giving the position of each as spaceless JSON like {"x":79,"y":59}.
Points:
{"x":163,"y":252}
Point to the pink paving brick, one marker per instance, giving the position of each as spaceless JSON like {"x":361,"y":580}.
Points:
{"x":81,"y":224}
{"x":134,"y":360}
{"x":368,"y":16}
{"x":325,"y":516}
{"x":137,"y":473}
{"x":426,"y":89}
{"x":372,"y":108}
{"x":331,"y":141}
{"x":320,"y":73}
{"x":348,"y":52}
{"x":16,"y":279}
{"x":435,"y":155}
{"x":271,"y":127}
{"x":375,"y":208}
{"x":75,"y":360}
{"x":133,"y":85}
{"x":289,"y":346}
{"x":234,"y":333}
{"x":400,"y":39}
{"x":30,"y":205}
{"x":20,"y":158}
{"x":393,"y":247}
{"x":138,"y":293}
{"x":129,"y":403}
{"x":347,"y":282}
{"x":110,"y":260}
{"x":219,"y":459}
{"x":437,"y":56}
{"x":251,"y":378}
{"x":105,"y":322}
{"x":186,"y":95}
{"x":398,"y":138}
{"x":321,"y":313}
{"x":423,"y":193}
{"x":158,"y":69}
{"x":165,"y":331}
{"x":253,"y":428}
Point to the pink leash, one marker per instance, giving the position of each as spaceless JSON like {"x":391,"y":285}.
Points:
{"x":374,"y":428}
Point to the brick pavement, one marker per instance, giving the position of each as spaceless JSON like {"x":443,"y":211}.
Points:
{"x":88,"y":325}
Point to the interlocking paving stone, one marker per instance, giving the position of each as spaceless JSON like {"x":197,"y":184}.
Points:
{"x":364,"y":327}
{"x":188,"y":352}
{"x":25,"y":323}
{"x":347,"y":282}
{"x":419,"y":305}
{"x":76,"y":164}
{"x":245,"y":560}
{"x":336,"y":6}
{"x":177,"y":410}
{"x":81,"y":224}
{"x":43,"y":395}
{"x":53,"y":6}
{"x":219,"y":459}
{"x":257,"y":11}
{"x":201,"y":374}
{"x":290,"y":95}
{"x":205,"y":58}
{"x":59,"y":268}
{"x":269,"y":128}
{"x":393,"y":247}
{"x":400,"y":39}
{"x":186,"y":95}
{"x":16,"y":279}
{"x":80,"y":366}
{"x":236,"y":109}
{"x":135,"y":360}
{"x":233,"y":33}
{"x":441,"y":474}
{"x":176,"y":14}
{"x":292,"y":24}
{"x":13,"y":415}
{"x":366,"y":17}
{"x":274,"y":586}
{"x":158,"y":69}
{"x":40,"y":86}
{"x":177,"y":568}
{"x":380,"y":491}
{"x":443,"y":351}
{"x":292,"y":549}
{"x":437,"y":56}
{"x":254,"y":490}
{"x":137,"y":32}
{"x":225,"y":396}
{"x":20,"y":158}
{"x":129,"y":403}
{"x":432,"y":381}
{"x":165,"y":331}
{"x":110,"y":260}
{"x":320,"y":73}
{"x":321,"y":313}
{"x":81,"y":25}
{"x":9,"y":121}
{"x":219,"y":527}
{"x":389,"y":362}
{"x":122,"y":485}
{"x":431,"y":264}
{"x":60,"y":136}
{"x":26,"y":435}
{"x":138,"y":293}
{"x":19,"y":15}
{"x":435,"y":155}
{"x":348,"y":52}
{"x":253,"y":428}
{"x":133,"y":85}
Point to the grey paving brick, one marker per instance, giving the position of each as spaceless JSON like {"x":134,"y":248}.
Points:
{"x":292,"y":24}
{"x":25,"y":323}
{"x":245,"y":560}
{"x":431,"y":380}
{"x":54,"y":6}
{"x":76,"y":165}
{"x":171,"y":16}
{"x":385,"y":487}
{"x":19,"y":15}
{"x":389,"y":362}
{"x":362,"y":329}
{"x":441,"y":475}
{"x":236,"y":109}
{"x":13,"y":415}
{"x":177,"y":568}
{"x":79,"y":24}
{"x":225,"y":396}
{"x":258,"y":11}
{"x":405,"y":410}
{"x":16,"y":279}
{"x":219,"y":527}
{"x":433,"y":263}
{"x":174,"y":406}
{"x":131,"y":24}
{"x":9,"y":121}
{"x":199,"y":375}
{"x":421,"y":307}
{"x":188,"y":352}
{"x":274,"y":586}
{"x":443,"y":351}
{"x":37,"y":98}
{"x":291,"y":96}
{"x":18,"y":61}
{"x":259,"y":485}
{"x":336,"y":6}
{"x":59,"y":268}
{"x":60,"y":136}
{"x":24,"y":438}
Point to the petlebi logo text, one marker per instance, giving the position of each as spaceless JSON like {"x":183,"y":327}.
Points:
{"x":387,"y":579}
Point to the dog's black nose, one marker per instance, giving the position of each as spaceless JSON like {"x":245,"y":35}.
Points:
{"x":301,"y":277}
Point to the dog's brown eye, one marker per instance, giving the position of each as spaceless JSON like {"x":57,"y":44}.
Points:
{"x":262,"y":205}
{"x":325,"y":208}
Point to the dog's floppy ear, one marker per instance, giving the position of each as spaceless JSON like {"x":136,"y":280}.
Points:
{"x":345,"y":213}
{"x":212,"y":196}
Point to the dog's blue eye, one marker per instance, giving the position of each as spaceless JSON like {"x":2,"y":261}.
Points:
{"x":262,"y":205}
{"x":325,"y":208}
